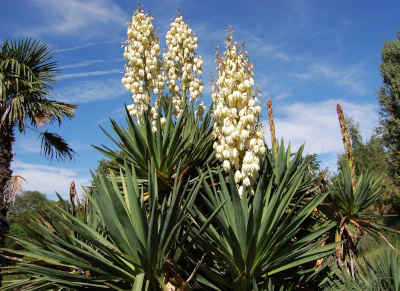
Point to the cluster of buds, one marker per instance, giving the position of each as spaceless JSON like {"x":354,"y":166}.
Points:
{"x":238,"y":132}
{"x":182,"y":65}
{"x":143,"y":72}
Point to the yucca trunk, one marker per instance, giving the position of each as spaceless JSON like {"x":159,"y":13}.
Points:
{"x":6,"y":140}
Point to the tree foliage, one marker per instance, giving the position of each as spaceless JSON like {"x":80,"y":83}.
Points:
{"x":389,"y":99}
{"x":26,"y":206}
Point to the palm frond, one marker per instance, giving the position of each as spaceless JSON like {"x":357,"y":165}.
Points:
{"x":37,"y":56}
{"x":27,"y":69}
{"x":54,"y":146}
{"x":51,"y":110}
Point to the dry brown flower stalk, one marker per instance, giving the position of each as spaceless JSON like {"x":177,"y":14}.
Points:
{"x":347,"y":143}
{"x":13,"y":186}
{"x":272,"y":126}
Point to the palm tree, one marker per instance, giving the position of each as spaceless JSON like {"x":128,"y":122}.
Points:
{"x":27,"y":67}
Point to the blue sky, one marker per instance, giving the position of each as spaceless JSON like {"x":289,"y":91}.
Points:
{"x":308,"y":56}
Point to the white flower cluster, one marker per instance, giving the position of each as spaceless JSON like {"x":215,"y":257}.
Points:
{"x":143,"y":71}
{"x":182,"y":65}
{"x":239,"y":135}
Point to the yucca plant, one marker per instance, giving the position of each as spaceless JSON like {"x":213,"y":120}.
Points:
{"x":131,"y":245}
{"x":187,"y":140}
{"x":120,"y":240}
{"x":379,"y":274}
{"x":348,"y":206}
{"x":282,"y":160}
{"x":251,"y":240}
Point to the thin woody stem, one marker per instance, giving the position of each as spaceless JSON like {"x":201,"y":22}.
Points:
{"x":272,"y":126}
{"x":347,"y":144}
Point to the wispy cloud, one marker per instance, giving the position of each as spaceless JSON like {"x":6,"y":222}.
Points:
{"x":49,"y":179}
{"x":89,"y":74}
{"x":282,"y":96}
{"x":83,"y":46}
{"x":347,"y":77}
{"x":64,"y":17}
{"x":256,"y":45}
{"x":117,"y":113}
{"x":81,"y":64}
{"x":259,"y":48}
{"x":28,"y":145}
{"x":89,"y":91}
{"x":271,"y":87}
{"x":302,"y":76}
{"x":316,"y":125}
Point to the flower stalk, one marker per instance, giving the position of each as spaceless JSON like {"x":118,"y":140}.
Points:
{"x":347,"y":144}
{"x":272,"y":126}
{"x":144,"y":76}
{"x":238,"y":132}
{"x":183,"y":66}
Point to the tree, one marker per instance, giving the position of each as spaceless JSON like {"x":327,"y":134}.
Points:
{"x":389,"y":99}
{"x":28,"y":200}
{"x":27,"y":68}
{"x":26,"y":206}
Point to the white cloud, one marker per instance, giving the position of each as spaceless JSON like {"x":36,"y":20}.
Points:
{"x":259,"y":47}
{"x":64,"y":17}
{"x":316,"y":124}
{"x":349,"y":77}
{"x":117,"y":113}
{"x":282,"y":96}
{"x":83,"y":46}
{"x":81,"y":64}
{"x":89,"y":91}
{"x":272,"y":87}
{"x":28,"y":144}
{"x":49,"y":179}
{"x":255,"y":44}
{"x":302,"y":76}
{"x":89,"y":74}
